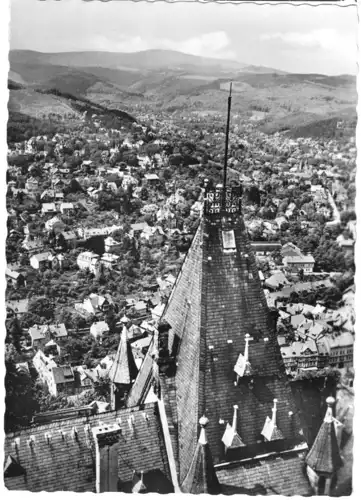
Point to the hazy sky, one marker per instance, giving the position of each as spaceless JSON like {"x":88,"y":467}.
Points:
{"x":300,"y":39}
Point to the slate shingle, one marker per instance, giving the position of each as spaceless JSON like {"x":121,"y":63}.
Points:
{"x":68,"y":464}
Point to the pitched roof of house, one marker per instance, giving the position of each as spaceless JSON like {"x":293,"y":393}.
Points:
{"x":63,"y":374}
{"x":41,"y":257}
{"x":123,"y":370}
{"x":67,"y":463}
{"x":19,"y":306}
{"x":302,"y":259}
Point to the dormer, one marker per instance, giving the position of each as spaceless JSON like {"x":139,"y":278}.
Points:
{"x":243,"y":366}
{"x":231,"y":439}
{"x":270,"y":431}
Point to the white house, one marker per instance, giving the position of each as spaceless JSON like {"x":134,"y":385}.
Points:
{"x":88,"y":260}
{"x":38,"y":261}
{"x":98,"y":329}
{"x":66,"y":208}
{"x":109,"y":260}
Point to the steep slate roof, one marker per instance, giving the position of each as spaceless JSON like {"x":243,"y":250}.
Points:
{"x":123,"y":369}
{"x":216,"y":300}
{"x":67,"y":463}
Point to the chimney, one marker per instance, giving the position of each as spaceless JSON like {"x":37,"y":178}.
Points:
{"x":106,"y":457}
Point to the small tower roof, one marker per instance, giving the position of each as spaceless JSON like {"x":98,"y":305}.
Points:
{"x":123,"y":369}
{"x":201,"y":476}
{"x":231,"y":438}
{"x":270,"y":430}
{"x":324,"y":456}
{"x":138,"y":485}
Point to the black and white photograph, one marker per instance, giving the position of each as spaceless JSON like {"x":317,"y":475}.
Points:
{"x":180,"y":240}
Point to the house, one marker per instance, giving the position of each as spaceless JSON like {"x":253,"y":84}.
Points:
{"x":15,"y":278}
{"x":66,"y":208}
{"x":290,"y":250}
{"x":47,"y":196}
{"x":296,"y":264}
{"x":32,"y":185}
{"x":43,"y":365}
{"x":63,"y":380}
{"x":98,"y":329}
{"x":41,"y":334}
{"x":170,"y":278}
{"x":17,"y":307}
{"x":56,"y":261}
{"x":276,"y":281}
{"x":140,"y":307}
{"x":59,"y":196}
{"x":88,"y":260}
{"x":109,"y":260}
{"x":83,"y":380}
{"x":70,"y":238}
{"x":40,"y":261}
{"x":153,"y":235}
{"x":297,"y":320}
{"x":48,"y":208}
{"x":137,"y":229}
{"x":151,"y":178}
{"x":55,"y":224}
{"x":157,"y":312}
{"x":33,"y":244}
{"x":340,"y":349}
{"x":112,"y":246}
{"x":95,"y":303}
{"x":300,"y":356}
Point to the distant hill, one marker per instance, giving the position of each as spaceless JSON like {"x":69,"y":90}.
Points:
{"x":50,"y":109}
{"x":177,"y":82}
{"x":147,"y":59}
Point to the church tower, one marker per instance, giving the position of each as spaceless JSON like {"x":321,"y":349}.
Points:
{"x":220,"y":348}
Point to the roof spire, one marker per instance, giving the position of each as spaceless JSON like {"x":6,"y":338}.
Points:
{"x":234,"y":423}
{"x":330,"y":401}
{"x":203,"y":421}
{"x":274,"y":411}
{"x":227,"y":138}
{"x":201,"y":476}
